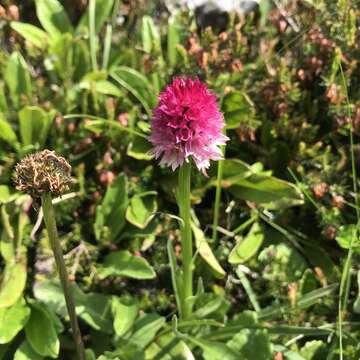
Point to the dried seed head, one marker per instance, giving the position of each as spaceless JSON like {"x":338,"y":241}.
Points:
{"x":43,"y":172}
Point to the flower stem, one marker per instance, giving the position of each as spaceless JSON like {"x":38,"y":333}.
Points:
{"x":50,"y":222}
{"x":186,"y":240}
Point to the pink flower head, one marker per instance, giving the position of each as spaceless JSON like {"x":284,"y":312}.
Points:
{"x":187,"y":123}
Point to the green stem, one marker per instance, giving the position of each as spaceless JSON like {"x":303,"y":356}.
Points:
{"x":186,"y":240}
{"x":50,"y":222}
{"x":218,"y":198}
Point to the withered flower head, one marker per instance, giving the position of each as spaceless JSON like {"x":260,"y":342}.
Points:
{"x":43,"y":172}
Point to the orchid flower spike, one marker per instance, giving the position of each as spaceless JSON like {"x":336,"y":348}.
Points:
{"x":187,"y":124}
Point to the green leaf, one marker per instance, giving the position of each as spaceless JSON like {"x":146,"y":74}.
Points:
{"x":145,"y":329}
{"x":53,"y":17}
{"x":102,"y":87}
{"x":34,"y":125}
{"x":259,"y":187}
{"x":207,"y":304}
{"x":103,"y":10}
{"x":41,"y":331}
{"x":141,"y":209}
{"x":3,"y":100}
{"x":139,"y":149}
{"x":12,"y":320}
{"x":17,"y":78}
{"x":314,"y":350}
{"x":346,"y":235}
{"x":239,"y":111}
{"x":173,"y":39}
{"x":93,"y":308}
{"x":213,"y":350}
{"x":13,"y":283}
{"x":205,"y":251}
{"x":26,"y":352}
{"x":247,"y":340}
{"x":31,"y":33}
{"x":123,"y":263}
{"x":111,"y":212}
{"x":246,"y":248}
{"x":150,"y":35}
{"x":137,"y":84}
{"x":168,"y":347}
{"x":7,"y":134}
{"x":125,"y":311}
{"x":5,"y":194}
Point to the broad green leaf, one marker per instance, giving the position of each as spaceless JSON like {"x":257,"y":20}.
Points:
{"x":247,"y":247}
{"x":17,"y":78}
{"x":168,"y":347}
{"x":247,"y":340}
{"x":7,"y":134}
{"x":34,"y":125}
{"x":205,"y":251}
{"x":173,"y":39}
{"x":111,"y":212}
{"x":93,"y":308}
{"x":103,"y":9}
{"x":125,"y":311}
{"x":62,"y":56}
{"x":123,"y":263}
{"x":139,"y":149}
{"x":12,"y":320}
{"x":81,"y":59}
{"x":102,"y":87}
{"x":259,"y":187}
{"x":41,"y":331}
{"x":31,"y":33}
{"x":314,"y":350}
{"x":213,"y":350}
{"x":239,"y":111}
{"x":137,"y":84}
{"x":53,"y":17}
{"x":26,"y":352}
{"x":346,"y":235}
{"x":150,"y":35}
{"x":207,"y":304}
{"x":5,"y":193}
{"x":141,"y":209}
{"x":145,"y":329}
{"x":12,"y":283}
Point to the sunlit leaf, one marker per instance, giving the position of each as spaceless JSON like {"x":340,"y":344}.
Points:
{"x":31,"y":33}
{"x":12,"y":320}
{"x":123,"y":263}
{"x":248,"y":246}
{"x":53,"y":17}
{"x":41,"y":332}
{"x":141,"y":209}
